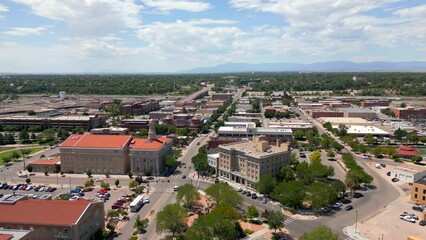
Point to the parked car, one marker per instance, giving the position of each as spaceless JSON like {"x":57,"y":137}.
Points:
{"x":115,"y":206}
{"x":216,"y":180}
{"x":146,"y":200}
{"x":331,"y":159}
{"x":422,"y":223}
{"x":254,"y":196}
{"x":349,"y":207}
{"x":324,"y":210}
{"x":248,"y":194}
{"x":183,"y":176}
{"x":366,"y":157}
{"x":395,"y":179}
{"x":23,"y":175}
{"x":264,"y":201}
{"x":243,"y":192}
{"x":239,"y":189}
{"x":358,"y":195}
{"x":419,"y":208}
{"x":408,"y":219}
{"x":118,"y":203}
{"x":388,"y":173}
{"x":99,"y":180}
{"x":345,"y":201}
{"x":336,"y":205}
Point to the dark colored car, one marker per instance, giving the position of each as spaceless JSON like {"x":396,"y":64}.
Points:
{"x":216,"y":180}
{"x":52,"y":189}
{"x":349,"y":207}
{"x":345,"y":201}
{"x":183,"y":176}
{"x":418,"y":208}
{"x":388,"y":173}
{"x":118,"y":203}
{"x":248,"y":194}
{"x":115,"y":206}
{"x":422,"y":223}
{"x":243,"y":192}
{"x":395,"y":179}
{"x":358,"y":195}
{"x":254,"y":196}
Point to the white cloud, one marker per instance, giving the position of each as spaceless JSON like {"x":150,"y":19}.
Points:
{"x":3,"y":8}
{"x":185,"y":5}
{"x":89,"y":17}
{"x":20,"y":31}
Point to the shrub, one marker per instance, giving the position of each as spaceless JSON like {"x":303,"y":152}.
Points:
{"x":248,"y":231}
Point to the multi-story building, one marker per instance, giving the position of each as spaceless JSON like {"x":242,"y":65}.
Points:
{"x":184,"y":120}
{"x":375,"y":103}
{"x":52,"y":219}
{"x":249,"y":130}
{"x":98,"y":153}
{"x":51,"y":165}
{"x":357,"y":112}
{"x":222,"y":96}
{"x":418,"y":191}
{"x":410,"y":113}
{"x":110,"y":131}
{"x":148,"y":155}
{"x":68,"y":122}
{"x":319,"y":114}
{"x":245,"y":162}
{"x":135,"y":124}
{"x":140,"y":108}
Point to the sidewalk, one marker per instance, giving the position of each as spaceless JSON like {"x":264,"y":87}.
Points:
{"x":350,"y":232}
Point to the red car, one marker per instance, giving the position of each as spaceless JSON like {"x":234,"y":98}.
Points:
{"x":115,"y":206}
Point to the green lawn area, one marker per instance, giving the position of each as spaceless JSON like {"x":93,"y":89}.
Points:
{"x":9,"y":152}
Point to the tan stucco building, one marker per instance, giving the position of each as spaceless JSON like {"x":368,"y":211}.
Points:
{"x":245,"y":162}
{"x":418,"y":191}
{"x":98,"y":153}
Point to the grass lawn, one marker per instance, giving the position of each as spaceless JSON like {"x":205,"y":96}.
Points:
{"x":9,"y":152}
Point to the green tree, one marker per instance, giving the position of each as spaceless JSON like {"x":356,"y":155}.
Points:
{"x":320,"y":171}
{"x":321,"y":195}
{"x":315,"y":157}
{"x":223,"y":193}
{"x":212,"y":226}
{"x":320,"y":233}
{"x":130,"y":174}
{"x":266,"y":184}
{"x":252,"y":212}
{"x":403,"y":105}
{"x":117,"y":183}
{"x":133,"y":184}
{"x":89,"y":173}
{"x":287,"y":174}
{"x":328,"y":126}
{"x":290,"y":194}
{"x":25,"y":151}
{"x":28,"y":180}
{"x":105,"y":185}
{"x":399,"y":133}
{"x":171,"y":162}
{"x":339,"y":186}
{"x":30,"y":168}
{"x":226,"y":211}
{"x":275,"y":220}
{"x":187,"y":194}
{"x":24,"y":136}
{"x":89,"y":183}
{"x":182,"y":131}
{"x":416,"y":159}
{"x":15,"y":155}
{"x":141,"y":225}
{"x":299,"y":134}
{"x":172,"y":219}
{"x":342,"y":130}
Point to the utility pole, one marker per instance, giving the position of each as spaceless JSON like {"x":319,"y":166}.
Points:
{"x":356,"y":220}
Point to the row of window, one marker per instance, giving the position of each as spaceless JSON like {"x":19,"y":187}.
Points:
{"x":417,"y":190}
{"x":423,"y":197}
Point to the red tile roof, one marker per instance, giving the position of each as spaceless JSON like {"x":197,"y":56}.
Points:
{"x":43,"y":212}
{"x":269,"y":108}
{"x":407,"y":151}
{"x":97,"y":141}
{"x":52,"y":161}
{"x":6,"y":236}
{"x":144,"y":143}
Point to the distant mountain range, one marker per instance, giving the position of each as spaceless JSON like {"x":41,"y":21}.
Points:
{"x":334,"y":66}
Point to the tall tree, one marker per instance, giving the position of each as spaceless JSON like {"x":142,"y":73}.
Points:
{"x":321,"y":195}
{"x":212,"y":226}
{"x":187,"y":194}
{"x":275,"y":220}
{"x":266,"y":184}
{"x":290,"y":194}
{"x":172,"y":219}
{"x":223,"y":193}
{"x":320,"y":233}
{"x":252,"y":212}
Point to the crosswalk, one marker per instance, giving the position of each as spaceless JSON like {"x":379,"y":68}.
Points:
{"x":164,"y":189}
{"x":288,"y":220}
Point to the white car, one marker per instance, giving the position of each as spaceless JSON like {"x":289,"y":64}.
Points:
{"x":146,"y":200}
{"x":41,"y":189}
{"x":99,"y":180}
{"x":23,"y":175}
{"x":408,"y":219}
{"x":28,"y":188}
{"x":74,"y":198}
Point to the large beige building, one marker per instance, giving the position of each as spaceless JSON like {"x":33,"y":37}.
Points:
{"x":418,"y":191}
{"x":116,"y":154}
{"x":52,"y":219}
{"x":98,"y":153}
{"x":148,"y":155}
{"x":245,"y":162}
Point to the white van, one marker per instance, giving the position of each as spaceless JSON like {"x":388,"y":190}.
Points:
{"x":175,"y":188}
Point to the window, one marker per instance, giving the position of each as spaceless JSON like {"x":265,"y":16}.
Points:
{"x":415,"y":195}
{"x":424,"y":191}
{"x":66,"y":231}
{"x":423,"y":198}
{"x":416,"y":189}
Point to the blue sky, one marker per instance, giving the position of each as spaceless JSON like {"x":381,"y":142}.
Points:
{"x":73,"y":36}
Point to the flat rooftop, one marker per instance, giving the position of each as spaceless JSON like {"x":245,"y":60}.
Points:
{"x":249,"y":148}
{"x":355,"y":110}
{"x":26,"y":117}
{"x":364,"y":130}
{"x":343,"y":120}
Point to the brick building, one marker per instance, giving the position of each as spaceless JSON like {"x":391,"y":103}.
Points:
{"x":184,"y":120}
{"x":52,"y":219}
{"x":52,"y":165}
{"x":319,"y":114}
{"x":375,"y":103}
{"x":418,"y":191}
{"x":222,"y":96}
{"x":140,"y":108}
{"x":67,"y":122}
{"x":410,"y":113}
